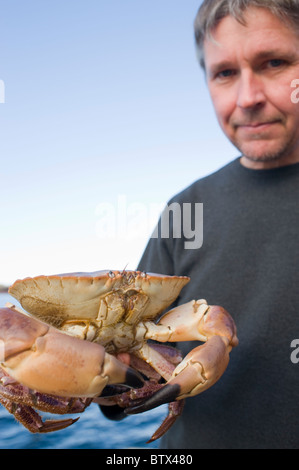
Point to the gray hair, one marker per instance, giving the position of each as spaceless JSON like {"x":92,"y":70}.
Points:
{"x":212,"y":12}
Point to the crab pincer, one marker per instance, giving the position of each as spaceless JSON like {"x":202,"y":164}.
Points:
{"x":37,"y":359}
{"x":204,"y":365}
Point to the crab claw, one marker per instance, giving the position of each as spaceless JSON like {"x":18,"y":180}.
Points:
{"x":46,"y":360}
{"x":199,"y":370}
{"x":205,"y":364}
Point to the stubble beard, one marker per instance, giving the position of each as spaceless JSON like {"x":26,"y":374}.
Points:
{"x":270,"y":156}
{"x":280,"y":153}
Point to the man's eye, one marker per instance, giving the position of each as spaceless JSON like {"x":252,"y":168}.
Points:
{"x":225,"y":73}
{"x":274,"y":63}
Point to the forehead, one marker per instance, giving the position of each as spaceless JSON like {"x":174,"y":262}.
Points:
{"x":262,"y":33}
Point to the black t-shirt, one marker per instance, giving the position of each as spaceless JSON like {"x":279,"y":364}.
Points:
{"x":248,"y":263}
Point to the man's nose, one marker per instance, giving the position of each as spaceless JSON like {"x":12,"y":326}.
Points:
{"x":250,"y":91}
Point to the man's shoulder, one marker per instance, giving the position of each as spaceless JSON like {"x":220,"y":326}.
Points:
{"x":207,"y":183}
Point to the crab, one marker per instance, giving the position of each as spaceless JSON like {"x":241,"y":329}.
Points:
{"x":95,"y":337}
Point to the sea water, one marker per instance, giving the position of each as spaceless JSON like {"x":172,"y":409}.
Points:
{"x":91,"y":431}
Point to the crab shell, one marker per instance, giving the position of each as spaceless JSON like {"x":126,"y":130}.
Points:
{"x":107,"y":307}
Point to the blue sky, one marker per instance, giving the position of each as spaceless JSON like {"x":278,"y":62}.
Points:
{"x":106,"y":116}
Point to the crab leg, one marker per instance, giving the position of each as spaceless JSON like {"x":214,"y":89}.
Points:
{"x":205,"y":364}
{"x":48,"y":361}
{"x":175,"y":410}
{"x":32,"y":420}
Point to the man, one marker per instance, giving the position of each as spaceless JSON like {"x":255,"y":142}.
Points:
{"x":249,"y":259}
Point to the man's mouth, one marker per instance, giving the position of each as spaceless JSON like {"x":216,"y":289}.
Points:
{"x":256,"y":126}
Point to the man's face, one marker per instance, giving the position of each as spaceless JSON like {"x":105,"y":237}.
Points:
{"x":249,"y":72}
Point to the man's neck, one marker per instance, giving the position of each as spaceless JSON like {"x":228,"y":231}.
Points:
{"x":270,"y":164}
